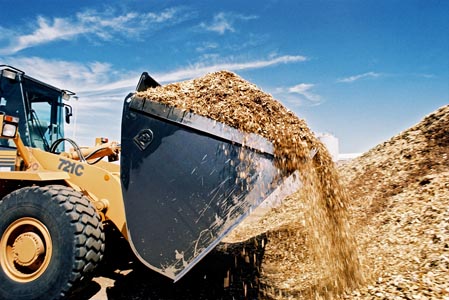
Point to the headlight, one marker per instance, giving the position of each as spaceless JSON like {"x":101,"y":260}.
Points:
{"x":9,"y":130}
{"x":9,"y":74}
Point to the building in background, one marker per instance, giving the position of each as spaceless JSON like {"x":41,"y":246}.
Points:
{"x":331,"y":143}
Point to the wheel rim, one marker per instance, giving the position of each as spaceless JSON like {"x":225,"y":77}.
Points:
{"x":26,"y":249}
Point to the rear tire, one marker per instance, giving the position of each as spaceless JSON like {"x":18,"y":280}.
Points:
{"x":50,"y":238}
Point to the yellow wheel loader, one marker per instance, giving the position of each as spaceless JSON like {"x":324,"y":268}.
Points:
{"x":183,"y":182}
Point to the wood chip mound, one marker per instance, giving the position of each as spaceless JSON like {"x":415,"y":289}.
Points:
{"x":311,"y":250}
{"x":400,"y":209}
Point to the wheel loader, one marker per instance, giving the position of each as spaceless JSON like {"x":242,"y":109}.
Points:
{"x":182,"y":183}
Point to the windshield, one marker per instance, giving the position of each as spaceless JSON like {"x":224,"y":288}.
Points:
{"x":44,"y":110}
{"x":39,"y":108}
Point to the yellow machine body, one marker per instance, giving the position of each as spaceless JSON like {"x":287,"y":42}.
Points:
{"x":99,"y":182}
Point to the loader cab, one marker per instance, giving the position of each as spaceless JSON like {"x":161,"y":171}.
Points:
{"x":38,"y":106}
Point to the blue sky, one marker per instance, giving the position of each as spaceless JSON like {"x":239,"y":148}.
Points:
{"x":361,"y":70}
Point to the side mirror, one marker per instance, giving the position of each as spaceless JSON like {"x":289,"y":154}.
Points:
{"x":68,"y":113}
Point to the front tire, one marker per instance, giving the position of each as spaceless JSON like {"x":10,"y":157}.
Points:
{"x":50,"y":238}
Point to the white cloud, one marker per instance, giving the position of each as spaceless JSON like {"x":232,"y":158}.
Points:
{"x":96,"y":77}
{"x":223,"y":22}
{"x":424,"y":75}
{"x":75,"y":76}
{"x":298,"y":95}
{"x":359,"y":76}
{"x":220,"y":24}
{"x":201,"y":69}
{"x":303,"y":89}
{"x":60,"y":29}
{"x":161,"y":17}
{"x":91,"y":24}
{"x":206,"y":46}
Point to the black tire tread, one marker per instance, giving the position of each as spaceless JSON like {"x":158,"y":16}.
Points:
{"x":89,"y":238}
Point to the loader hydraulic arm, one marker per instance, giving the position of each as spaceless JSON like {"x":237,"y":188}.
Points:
{"x":110,"y":149}
{"x":9,"y":130}
{"x":22,"y":152}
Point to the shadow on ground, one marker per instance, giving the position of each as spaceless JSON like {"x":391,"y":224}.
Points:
{"x":229,"y":272}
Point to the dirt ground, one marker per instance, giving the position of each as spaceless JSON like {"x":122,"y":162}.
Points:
{"x":137,"y":282}
{"x":121,"y":276}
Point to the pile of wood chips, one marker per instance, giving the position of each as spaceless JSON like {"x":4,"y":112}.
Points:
{"x":311,"y":251}
{"x":400,"y":211}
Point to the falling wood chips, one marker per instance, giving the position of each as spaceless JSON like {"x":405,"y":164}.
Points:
{"x":310,"y":250}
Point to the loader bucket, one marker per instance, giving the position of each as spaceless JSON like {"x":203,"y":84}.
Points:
{"x":187,"y":181}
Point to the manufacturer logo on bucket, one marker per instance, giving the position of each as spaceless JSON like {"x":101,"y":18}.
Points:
{"x":144,"y":139}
